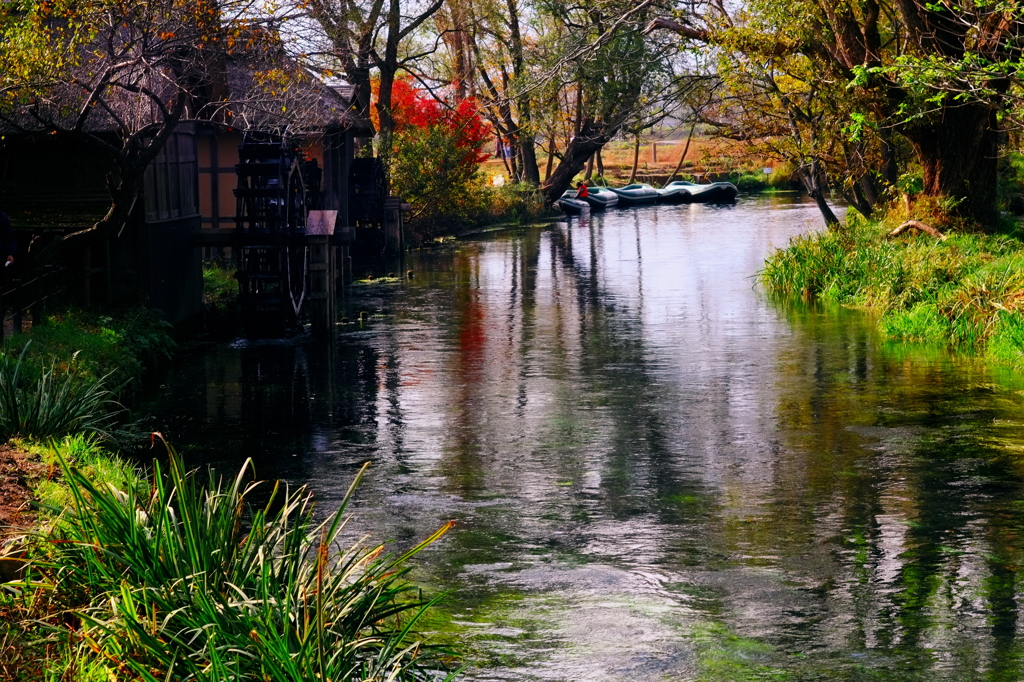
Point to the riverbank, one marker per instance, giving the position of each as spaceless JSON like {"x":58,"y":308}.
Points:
{"x":965,"y":289}
{"x":180,"y":591}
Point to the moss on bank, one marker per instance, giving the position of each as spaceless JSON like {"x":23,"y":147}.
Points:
{"x":967,"y":291}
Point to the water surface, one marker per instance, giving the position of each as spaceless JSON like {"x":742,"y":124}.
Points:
{"x":656,"y":472}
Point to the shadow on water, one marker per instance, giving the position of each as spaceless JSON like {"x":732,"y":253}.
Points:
{"x":656,"y":472}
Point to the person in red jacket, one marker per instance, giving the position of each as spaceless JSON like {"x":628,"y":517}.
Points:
{"x":581,"y":191}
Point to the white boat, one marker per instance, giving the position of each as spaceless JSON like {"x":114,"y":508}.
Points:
{"x":712,"y":193}
{"x":568,"y":203}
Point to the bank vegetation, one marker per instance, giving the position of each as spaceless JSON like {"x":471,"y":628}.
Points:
{"x":114,"y":570}
{"x":951,"y":286}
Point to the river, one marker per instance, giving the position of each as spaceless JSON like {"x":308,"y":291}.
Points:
{"x":656,"y":471}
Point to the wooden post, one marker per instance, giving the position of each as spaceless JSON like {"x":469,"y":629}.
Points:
{"x":654,"y":152}
{"x":394,"y":241}
{"x":322,"y":275}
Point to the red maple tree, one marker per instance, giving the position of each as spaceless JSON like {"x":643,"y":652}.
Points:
{"x":413,"y":107}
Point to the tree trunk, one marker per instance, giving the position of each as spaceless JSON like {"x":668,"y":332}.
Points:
{"x":503,"y":151}
{"x":361,"y":91}
{"x":592,"y":137}
{"x":528,"y":158}
{"x":958,"y":153}
{"x":826,"y":211}
{"x":636,"y":161}
{"x":125,"y":189}
{"x":682,"y":157}
{"x":857,"y":198}
{"x":387,"y":67}
{"x":810,"y":175}
{"x":551,"y":158}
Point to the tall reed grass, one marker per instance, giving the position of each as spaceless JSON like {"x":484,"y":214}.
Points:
{"x":54,"y":404}
{"x":186,"y":578}
{"x":967,"y":290}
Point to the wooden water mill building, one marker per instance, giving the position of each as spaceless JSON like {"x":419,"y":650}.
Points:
{"x":283,"y":207}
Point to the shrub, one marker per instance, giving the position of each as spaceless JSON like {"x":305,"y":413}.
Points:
{"x":967,"y":290}
{"x":434,"y":159}
{"x":184,"y":579}
{"x":751,"y":182}
{"x":56,"y":403}
{"x":429,"y":170}
{"x":122,"y":344}
{"x":220,"y":286}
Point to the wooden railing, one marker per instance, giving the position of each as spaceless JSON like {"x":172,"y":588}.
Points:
{"x":31,"y":295}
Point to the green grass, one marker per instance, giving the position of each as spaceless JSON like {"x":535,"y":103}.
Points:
{"x":88,"y":455}
{"x":123,"y":344}
{"x":56,"y":403}
{"x":967,"y":291}
{"x":71,"y":374}
{"x":178,"y":575}
{"x":220,"y":286}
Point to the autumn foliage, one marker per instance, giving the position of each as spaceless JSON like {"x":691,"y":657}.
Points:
{"x":414,"y":109}
{"x":435,"y":158}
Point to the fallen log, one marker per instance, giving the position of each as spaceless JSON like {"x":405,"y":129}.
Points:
{"x":920,"y":227}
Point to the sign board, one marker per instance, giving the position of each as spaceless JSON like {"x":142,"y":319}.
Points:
{"x":321,"y":222}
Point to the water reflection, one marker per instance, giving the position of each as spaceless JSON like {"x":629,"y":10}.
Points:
{"x":656,"y":472}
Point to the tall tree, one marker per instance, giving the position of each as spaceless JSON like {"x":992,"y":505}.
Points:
{"x":938,"y":75}
{"x":364,"y":36}
{"x":621,"y":77}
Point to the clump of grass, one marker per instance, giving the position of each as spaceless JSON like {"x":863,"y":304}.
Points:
{"x":187,"y":579}
{"x":967,"y":290}
{"x":86,"y":452}
{"x":123,"y":344}
{"x":56,"y":403}
{"x":220,"y":286}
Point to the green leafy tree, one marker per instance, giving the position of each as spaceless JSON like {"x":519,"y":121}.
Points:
{"x":621,"y":78}
{"x":938,"y":77}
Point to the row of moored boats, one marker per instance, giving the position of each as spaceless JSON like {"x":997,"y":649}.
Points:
{"x":678,"y":192}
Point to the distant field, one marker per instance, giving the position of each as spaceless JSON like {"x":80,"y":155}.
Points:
{"x":659,"y":159}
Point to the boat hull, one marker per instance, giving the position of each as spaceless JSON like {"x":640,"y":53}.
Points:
{"x":572,"y":206}
{"x":674,"y":195}
{"x":713,"y":193}
{"x":632,"y":195}
{"x":600,"y":198}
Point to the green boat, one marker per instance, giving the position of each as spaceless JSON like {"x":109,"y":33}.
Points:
{"x":637,"y":193}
